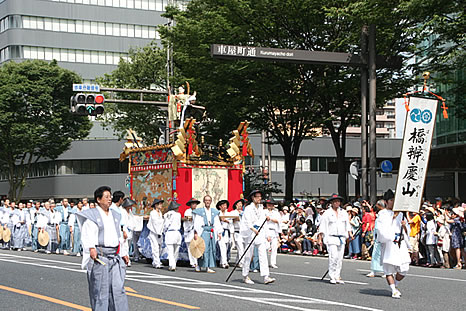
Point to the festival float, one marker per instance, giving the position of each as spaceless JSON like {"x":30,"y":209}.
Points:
{"x":184,"y":169}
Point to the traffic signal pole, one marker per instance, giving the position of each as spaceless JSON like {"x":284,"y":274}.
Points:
{"x":372,"y":112}
{"x":364,"y":34}
{"x":139,"y":101}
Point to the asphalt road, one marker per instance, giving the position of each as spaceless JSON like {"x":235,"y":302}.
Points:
{"x":36,"y":281}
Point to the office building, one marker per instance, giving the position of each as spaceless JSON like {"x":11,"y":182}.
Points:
{"x":86,"y":36}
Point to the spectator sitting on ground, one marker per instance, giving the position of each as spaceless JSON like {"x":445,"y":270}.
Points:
{"x":308,"y":230}
{"x":300,"y":234}
{"x":284,"y":219}
{"x":283,"y":245}
{"x":291,"y":240}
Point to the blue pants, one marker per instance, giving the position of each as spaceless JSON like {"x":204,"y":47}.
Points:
{"x":76,"y":240}
{"x":208,"y":259}
{"x":106,"y":284}
{"x":376,"y":262}
{"x":34,"y":233}
{"x":307,"y":245}
{"x":255,"y":260}
{"x":64,"y":236}
{"x":355,"y":245}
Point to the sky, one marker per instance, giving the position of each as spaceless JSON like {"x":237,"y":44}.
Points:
{"x":400,"y":113}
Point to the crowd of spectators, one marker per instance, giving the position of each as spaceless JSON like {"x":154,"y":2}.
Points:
{"x":437,"y":232}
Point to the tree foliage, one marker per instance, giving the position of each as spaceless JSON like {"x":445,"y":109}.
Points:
{"x":443,"y":50}
{"x":289,"y":100}
{"x":254,"y":180}
{"x":145,"y":66}
{"x":35,"y":118}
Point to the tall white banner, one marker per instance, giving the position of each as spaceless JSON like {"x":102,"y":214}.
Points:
{"x":414,"y":160}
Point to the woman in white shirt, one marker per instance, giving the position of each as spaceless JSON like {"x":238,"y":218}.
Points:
{"x":433,"y":257}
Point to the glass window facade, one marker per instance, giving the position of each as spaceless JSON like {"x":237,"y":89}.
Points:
{"x":452,"y":130}
{"x":62,"y":55}
{"x":303,"y":164}
{"x":81,"y":26}
{"x":149,"y":5}
{"x":72,"y":167}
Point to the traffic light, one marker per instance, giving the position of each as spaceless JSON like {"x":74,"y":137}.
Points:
{"x":87,"y":104}
{"x":99,"y":104}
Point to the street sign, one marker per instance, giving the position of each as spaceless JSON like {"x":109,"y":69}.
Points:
{"x":386,"y":166}
{"x":354,"y":170}
{"x":86,"y":88}
{"x":298,"y":56}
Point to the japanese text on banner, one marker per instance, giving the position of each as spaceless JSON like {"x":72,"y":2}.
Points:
{"x":417,"y":139}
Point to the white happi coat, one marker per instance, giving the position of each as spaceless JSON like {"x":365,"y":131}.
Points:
{"x":335,"y":228}
{"x":235,"y":223}
{"x":188,"y":226}
{"x":387,"y":231}
{"x":227,"y":226}
{"x":273,"y":228}
{"x":172,"y":226}
{"x":155,"y":223}
{"x":90,"y":234}
{"x":253,"y":217}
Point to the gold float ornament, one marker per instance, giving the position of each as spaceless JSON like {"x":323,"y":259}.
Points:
{"x":179,"y":148}
{"x":239,"y":145}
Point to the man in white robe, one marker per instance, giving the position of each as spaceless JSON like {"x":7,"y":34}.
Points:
{"x":126,"y":224}
{"x":253,"y":219}
{"x":155,"y":226}
{"x":273,"y":230}
{"x":188,"y":228}
{"x":225,"y":241}
{"x":172,"y":227}
{"x":207,"y":226}
{"x":237,"y":213}
{"x":102,"y":254}
{"x":393,"y":234}
{"x":335,"y":228}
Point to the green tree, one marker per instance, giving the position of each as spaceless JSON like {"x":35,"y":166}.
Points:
{"x":274,"y":97}
{"x":35,"y":118}
{"x":288,"y":100}
{"x":145,"y":66}
{"x":254,"y":180}
{"x":443,"y":50}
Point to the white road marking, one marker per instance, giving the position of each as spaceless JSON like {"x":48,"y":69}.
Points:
{"x":262,"y":300}
{"x":286,"y":300}
{"x":221,"y":289}
{"x":425,"y":276}
{"x":41,"y":259}
{"x":316,"y":278}
{"x":227,"y":290}
{"x":39,"y":265}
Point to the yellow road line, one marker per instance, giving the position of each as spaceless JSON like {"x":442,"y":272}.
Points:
{"x":163,"y":301}
{"x":49,"y":299}
{"x":129,"y":290}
